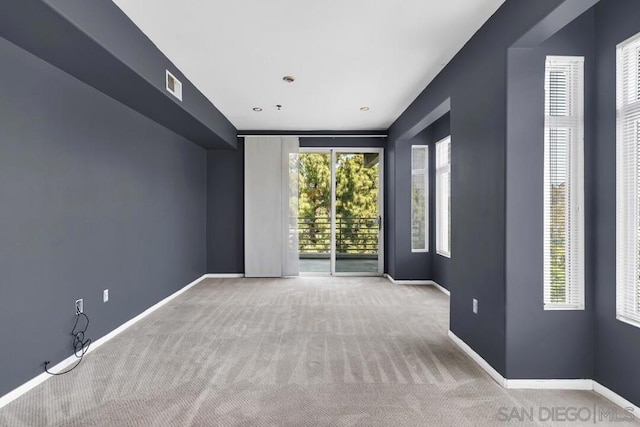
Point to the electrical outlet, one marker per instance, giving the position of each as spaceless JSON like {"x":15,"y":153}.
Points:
{"x":475,"y":306}
{"x":105,"y":295}
{"x":79,"y":306}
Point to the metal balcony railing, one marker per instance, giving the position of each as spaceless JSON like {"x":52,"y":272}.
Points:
{"x":356,"y":236}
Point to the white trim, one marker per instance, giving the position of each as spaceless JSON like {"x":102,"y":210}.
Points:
{"x":242,"y":135}
{"x":628,"y":321}
{"x":441,"y":288}
{"x":571,"y":384}
{"x":615,"y":398}
{"x":576,"y":384}
{"x":418,"y":283}
{"x":19,"y":391}
{"x":223,"y":276}
{"x":427,"y":218}
{"x":563,"y":307}
{"x":408,"y":282}
{"x":579,"y":384}
{"x":441,"y":170}
{"x":478,"y":359}
{"x":444,"y":254}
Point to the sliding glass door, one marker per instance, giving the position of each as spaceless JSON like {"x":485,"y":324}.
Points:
{"x":314,"y":211}
{"x":357,"y":212}
{"x":340,"y":211}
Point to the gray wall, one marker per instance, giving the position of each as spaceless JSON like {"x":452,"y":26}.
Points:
{"x":617,"y":344}
{"x":582,"y":344}
{"x":225,"y":210}
{"x":475,"y":82}
{"x":97,"y":43}
{"x":563,"y":338}
{"x":416,"y":266}
{"x":94,"y":196}
{"x":440,"y":265}
{"x":407,"y":265}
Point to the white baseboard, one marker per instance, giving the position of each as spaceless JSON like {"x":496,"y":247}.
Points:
{"x":408,"y":282}
{"x":14,"y":394}
{"x":577,"y":384}
{"x":615,"y":398}
{"x":558,"y":384}
{"x":478,"y":359}
{"x":418,"y":283}
{"x":223,"y":276}
{"x":441,"y":288}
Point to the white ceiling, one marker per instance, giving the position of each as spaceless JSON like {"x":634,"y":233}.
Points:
{"x":344,"y":54}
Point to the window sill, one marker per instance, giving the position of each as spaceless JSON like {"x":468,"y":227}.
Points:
{"x":561,"y":307}
{"x":628,"y":321}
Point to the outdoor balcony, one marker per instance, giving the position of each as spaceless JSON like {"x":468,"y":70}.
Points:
{"x":357,"y":241}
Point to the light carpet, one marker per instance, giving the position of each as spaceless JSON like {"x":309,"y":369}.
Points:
{"x":287,"y":352}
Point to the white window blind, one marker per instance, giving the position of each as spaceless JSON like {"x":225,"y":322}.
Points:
{"x":443,"y":197}
{"x":564,"y":183}
{"x":628,"y":182}
{"x":419,"y":198}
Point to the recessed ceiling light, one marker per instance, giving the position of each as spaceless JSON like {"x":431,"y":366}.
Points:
{"x":257,"y":109}
{"x":289,"y":79}
{"x":364,"y":108}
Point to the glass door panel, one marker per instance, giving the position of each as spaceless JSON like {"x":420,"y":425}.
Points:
{"x":314,"y":212}
{"x":357,"y":212}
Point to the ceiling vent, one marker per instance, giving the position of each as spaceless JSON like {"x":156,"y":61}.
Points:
{"x":174,"y":87}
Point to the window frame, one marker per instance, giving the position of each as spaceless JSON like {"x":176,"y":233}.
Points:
{"x":574,"y":239}
{"x":441,"y":170}
{"x":425,"y":173}
{"x":627,"y":138}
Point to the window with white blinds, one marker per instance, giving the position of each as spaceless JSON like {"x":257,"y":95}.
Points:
{"x":443,"y":197}
{"x":419,"y":198}
{"x":564,"y":183}
{"x":628,"y":182}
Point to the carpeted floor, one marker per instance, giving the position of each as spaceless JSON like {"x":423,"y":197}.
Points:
{"x":287,"y":352}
